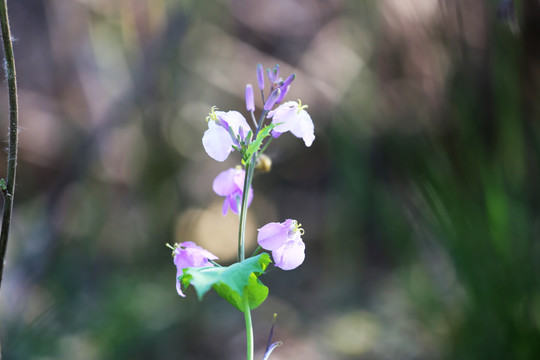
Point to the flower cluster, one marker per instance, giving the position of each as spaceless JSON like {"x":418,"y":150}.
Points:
{"x":229,"y":131}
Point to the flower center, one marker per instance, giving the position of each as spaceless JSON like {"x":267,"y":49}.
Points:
{"x":296,"y":228}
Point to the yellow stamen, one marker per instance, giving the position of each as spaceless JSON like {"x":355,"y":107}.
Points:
{"x":298,"y":227}
{"x":300,"y":106}
{"x":212,"y":115}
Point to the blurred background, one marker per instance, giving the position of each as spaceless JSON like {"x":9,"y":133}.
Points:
{"x":420,"y":196}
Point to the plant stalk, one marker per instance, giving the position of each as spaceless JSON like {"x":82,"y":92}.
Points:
{"x":249,"y":329}
{"x":250,"y":168}
{"x":9,"y":190}
{"x":243,"y":210}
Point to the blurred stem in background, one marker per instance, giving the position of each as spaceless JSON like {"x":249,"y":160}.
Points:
{"x":8,"y":187}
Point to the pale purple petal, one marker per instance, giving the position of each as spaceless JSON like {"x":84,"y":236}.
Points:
{"x":230,"y":183}
{"x":303,"y":128}
{"x":290,"y":255}
{"x":288,"y":118}
{"x":276,"y":134}
{"x":234,"y":119}
{"x":235,"y":200}
{"x":284,"y":116}
{"x":273,"y":235}
{"x":225,"y":208}
{"x":217,"y":142}
{"x":239,"y":178}
{"x":224,"y":183}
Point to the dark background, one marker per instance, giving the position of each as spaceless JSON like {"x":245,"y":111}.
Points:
{"x":419,"y":197}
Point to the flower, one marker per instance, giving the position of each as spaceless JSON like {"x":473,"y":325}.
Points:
{"x":224,"y":129}
{"x":285,"y":242}
{"x":230,"y":183}
{"x":291,"y":116}
{"x":188,"y":254}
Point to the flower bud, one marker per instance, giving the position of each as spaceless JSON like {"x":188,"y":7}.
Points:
{"x":260,"y":76}
{"x":284,"y":91}
{"x":273,"y":75}
{"x":250,"y":104}
{"x":272,"y":99}
{"x":288,"y":81}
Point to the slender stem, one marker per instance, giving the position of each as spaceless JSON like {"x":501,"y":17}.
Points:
{"x":9,"y":192}
{"x":261,"y":120}
{"x":249,"y":329}
{"x":256,"y":251}
{"x":243,"y":211}
{"x":253,"y":118}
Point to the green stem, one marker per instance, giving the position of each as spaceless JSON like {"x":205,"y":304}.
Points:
{"x":243,"y":211}
{"x":249,"y":329}
{"x":9,"y":192}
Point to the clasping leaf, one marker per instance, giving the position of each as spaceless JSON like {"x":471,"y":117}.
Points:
{"x":232,"y":282}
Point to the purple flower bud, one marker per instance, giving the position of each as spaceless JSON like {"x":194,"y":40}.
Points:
{"x":260,"y":76}
{"x":272,"y":99}
{"x":250,"y":104}
{"x":273,"y":75}
{"x":288,"y":81}
{"x":284,"y":91}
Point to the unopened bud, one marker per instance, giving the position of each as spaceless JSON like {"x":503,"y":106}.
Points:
{"x":272,"y":99}
{"x":250,"y":103}
{"x":273,"y":75}
{"x":288,"y":81}
{"x":284,"y":92}
{"x":260,"y":76}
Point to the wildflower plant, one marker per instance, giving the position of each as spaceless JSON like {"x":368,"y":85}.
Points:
{"x":228,"y":132}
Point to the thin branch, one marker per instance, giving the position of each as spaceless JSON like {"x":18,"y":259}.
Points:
{"x":9,"y":190}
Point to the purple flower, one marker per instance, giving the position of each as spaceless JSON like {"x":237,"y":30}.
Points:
{"x":291,"y":116}
{"x":221,"y":136}
{"x":230,"y":183}
{"x":285,"y":242}
{"x":250,"y":103}
{"x":187,"y":254}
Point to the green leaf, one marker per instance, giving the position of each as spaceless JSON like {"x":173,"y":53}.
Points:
{"x":255,"y":145}
{"x":232,"y":282}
